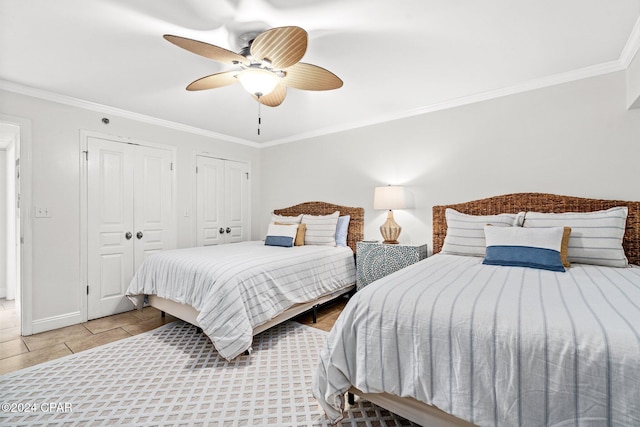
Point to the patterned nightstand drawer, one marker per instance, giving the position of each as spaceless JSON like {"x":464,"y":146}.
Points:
{"x":375,"y":260}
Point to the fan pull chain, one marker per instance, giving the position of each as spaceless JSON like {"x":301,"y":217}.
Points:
{"x":259,"y":118}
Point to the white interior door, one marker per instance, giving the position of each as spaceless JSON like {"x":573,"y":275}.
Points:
{"x":110,"y":229}
{"x":236,"y":201}
{"x":130,"y":216}
{"x":209,"y":201}
{"x":152,"y":203}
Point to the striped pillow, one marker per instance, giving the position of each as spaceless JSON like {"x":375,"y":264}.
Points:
{"x":596,"y":237}
{"x":465,"y":233}
{"x":524,"y":247}
{"x":321,"y":229}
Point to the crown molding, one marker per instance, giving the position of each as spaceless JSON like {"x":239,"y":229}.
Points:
{"x":629,"y":51}
{"x":75,"y":102}
{"x":632,"y":46}
{"x":557,"y":79}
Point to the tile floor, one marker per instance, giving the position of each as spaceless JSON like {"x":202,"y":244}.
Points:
{"x":17,"y":352}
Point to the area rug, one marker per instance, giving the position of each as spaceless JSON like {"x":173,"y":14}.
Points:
{"x":173,"y":376}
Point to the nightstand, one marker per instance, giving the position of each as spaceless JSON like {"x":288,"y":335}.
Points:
{"x":375,"y":260}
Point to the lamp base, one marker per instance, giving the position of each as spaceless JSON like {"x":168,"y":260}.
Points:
{"x":390,"y":230}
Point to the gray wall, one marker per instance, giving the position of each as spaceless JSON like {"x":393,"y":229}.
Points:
{"x":55,"y":145}
{"x":575,"y":139}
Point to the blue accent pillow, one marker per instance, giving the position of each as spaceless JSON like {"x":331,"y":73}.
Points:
{"x":341,"y":230}
{"x":524,"y":247}
{"x":284,"y":241}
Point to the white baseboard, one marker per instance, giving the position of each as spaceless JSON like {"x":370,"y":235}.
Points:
{"x":55,"y":322}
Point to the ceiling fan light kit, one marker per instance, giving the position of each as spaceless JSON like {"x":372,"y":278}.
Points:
{"x":258,"y":81}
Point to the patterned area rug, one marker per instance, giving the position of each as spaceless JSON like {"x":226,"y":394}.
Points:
{"x":173,"y":376}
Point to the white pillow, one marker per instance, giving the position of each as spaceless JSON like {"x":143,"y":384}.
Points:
{"x":286,"y":219}
{"x":465,"y":233}
{"x":321,"y":229}
{"x":596,"y":237}
{"x":525,"y":247}
{"x":281,"y":235}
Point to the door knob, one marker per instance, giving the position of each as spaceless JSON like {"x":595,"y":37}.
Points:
{"x":228,"y":230}
{"x":221,"y":230}
{"x":128,"y":235}
{"x":139,"y":234}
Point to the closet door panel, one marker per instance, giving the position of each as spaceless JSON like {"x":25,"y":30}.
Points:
{"x":129,"y":216}
{"x":153,"y":211}
{"x":110,"y":218}
{"x":236,"y":201}
{"x":210,"y":201}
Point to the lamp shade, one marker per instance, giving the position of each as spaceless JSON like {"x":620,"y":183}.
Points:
{"x":257,"y":81}
{"x":389,"y":197}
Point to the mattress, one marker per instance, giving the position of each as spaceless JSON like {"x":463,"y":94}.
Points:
{"x":493,"y":345}
{"x":238,"y":286}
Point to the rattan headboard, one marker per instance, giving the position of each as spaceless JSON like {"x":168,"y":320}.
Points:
{"x":542,"y":202}
{"x":356,"y":223}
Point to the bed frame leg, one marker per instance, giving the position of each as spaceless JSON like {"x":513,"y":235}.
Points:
{"x":163,"y":314}
{"x":351,"y":398}
{"x":315,"y":313}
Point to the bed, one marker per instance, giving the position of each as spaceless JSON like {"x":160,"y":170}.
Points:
{"x":235,"y":291}
{"x":450,"y":341}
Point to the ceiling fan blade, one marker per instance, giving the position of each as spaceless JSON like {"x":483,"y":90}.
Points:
{"x":207,"y":50}
{"x":214,"y":81}
{"x":282,"y":47}
{"x":274,"y":98}
{"x":310,"y":77}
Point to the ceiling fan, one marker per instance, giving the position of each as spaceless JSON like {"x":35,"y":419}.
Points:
{"x":267,"y":65}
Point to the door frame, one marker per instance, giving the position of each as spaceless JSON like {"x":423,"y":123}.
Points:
{"x":84,"y":200}
{"x":25,"y":287}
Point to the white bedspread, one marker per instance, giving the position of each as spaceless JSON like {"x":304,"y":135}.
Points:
{"x":499,"y":346}
{"x":238,"y":286}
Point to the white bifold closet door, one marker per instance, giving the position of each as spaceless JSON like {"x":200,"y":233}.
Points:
{"x":130,"y":216}
{"x":222,"y":199}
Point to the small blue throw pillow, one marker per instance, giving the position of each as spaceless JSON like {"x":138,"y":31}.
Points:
{"x":524,"y":247}
{"x":281,"y":235}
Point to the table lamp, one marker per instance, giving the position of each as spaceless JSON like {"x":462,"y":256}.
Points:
{"x":389,"y":197}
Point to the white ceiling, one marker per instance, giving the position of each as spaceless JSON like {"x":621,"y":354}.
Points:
{"x":396,"y":58}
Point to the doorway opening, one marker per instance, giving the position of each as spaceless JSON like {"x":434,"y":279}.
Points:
{"x":10,"y":227}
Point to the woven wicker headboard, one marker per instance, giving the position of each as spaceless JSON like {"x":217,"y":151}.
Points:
{"x":356,"y":223}
{"x":542,"y":202}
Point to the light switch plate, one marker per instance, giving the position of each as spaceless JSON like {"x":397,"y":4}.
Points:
{"x":42,"y":212}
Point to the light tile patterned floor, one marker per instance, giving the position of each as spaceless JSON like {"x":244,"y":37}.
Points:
{"x":173,"y":375}
{"x":18,"y":352}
